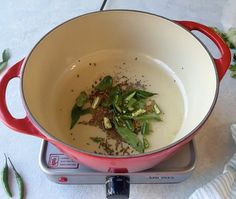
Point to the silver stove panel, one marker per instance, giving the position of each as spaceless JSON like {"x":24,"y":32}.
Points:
{"x":61,"y":169}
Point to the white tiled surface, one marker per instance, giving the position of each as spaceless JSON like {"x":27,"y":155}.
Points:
{"x":23,"y":23}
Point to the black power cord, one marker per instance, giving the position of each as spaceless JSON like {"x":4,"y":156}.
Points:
{"x":103,"y":5}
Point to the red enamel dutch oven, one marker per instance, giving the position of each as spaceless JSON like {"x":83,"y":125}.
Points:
{"x":141,"y":46}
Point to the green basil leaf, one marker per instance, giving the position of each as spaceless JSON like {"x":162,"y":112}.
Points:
{"x":5,"y":55}
{"x":105,"y":83}
{"x":82,"y":99}
{"x":130,"y":138}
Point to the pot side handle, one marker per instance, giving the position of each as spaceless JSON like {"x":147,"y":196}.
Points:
{"x":23,"y":125}
{"x":222,"y":64}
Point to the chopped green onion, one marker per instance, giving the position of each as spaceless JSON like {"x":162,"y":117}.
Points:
{"x":138,"y":112}
{"x":145,"y":128}
{"x":157,"y":109}
{"x":129,"y":124}
{"x":148,"y":116}
{"x":96,"y":102}
{"x":107,"y":123}
{"x":146,"y":143}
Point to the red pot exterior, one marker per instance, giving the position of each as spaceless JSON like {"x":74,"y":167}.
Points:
{"x":103,"y":163}
{"x":100,"y":163}
{"x":121,"y":165}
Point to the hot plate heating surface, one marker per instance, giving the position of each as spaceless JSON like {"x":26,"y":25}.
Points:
{"x":60,"y":168}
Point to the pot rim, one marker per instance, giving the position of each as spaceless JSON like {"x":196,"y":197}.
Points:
{"x":48,"y":135}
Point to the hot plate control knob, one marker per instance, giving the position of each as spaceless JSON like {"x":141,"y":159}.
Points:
{"x":117,"y":187}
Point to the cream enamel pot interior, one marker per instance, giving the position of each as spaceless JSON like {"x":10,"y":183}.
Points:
{"x":141,"y":46}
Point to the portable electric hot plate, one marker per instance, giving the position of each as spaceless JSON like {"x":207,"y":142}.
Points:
{"x":61,"y":169}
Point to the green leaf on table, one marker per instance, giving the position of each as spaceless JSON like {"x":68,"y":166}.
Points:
{"x":5,"y":58}
{"x":231,"y":35}
{"x":5,"y":55}
{"x":3,"y":65}
{"x":234,"y":57}
{"x":233,"y":74}
{"x":228,"y":37}
{"x":232,"y":67}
